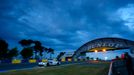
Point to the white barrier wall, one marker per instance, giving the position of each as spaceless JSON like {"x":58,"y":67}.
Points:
{"x":110,"y":69}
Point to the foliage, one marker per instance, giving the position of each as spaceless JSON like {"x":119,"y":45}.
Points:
{"x":60,"y":55}
{"x":38,"y":48}
{"x":13,"y":53}
{"x":25,"y":42}
{"x":29,"y":46}
{"x":51,"y":51}
{"x":26,"y":53}
{"x":3,"y":49}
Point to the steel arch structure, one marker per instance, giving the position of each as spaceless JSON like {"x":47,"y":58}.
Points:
{"x":110,"y":43}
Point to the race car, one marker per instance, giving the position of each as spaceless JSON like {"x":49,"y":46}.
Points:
{"x":53,"y":62}
{"x":50,"y":62}
{"x":42,"y":64}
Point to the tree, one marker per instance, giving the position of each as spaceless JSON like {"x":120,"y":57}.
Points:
{"x":97,"y":58}
{"x":3,"y":49}
{"x":51,"y":51}
{"x":28,"y":49}
{"x":26,"y":53}
{"x":38,"y":48}
{"x":45,"y":51}
{"x":12,"y":53}
{"x":92,"y":58}
{"x":25,"y":43}
{"x":41,"y":50}
{"x":87,"y":58}
{"x":60,"y":55}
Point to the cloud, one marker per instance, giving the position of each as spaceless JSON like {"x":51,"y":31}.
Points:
{"x":65,"y":24}
{"x":127,"y":15}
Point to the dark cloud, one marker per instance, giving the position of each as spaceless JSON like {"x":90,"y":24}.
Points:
{"x":62,"y":24}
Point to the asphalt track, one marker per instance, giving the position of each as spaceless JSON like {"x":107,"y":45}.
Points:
{"x":9,"y":67}
{"x":25,"y":66}
{"x":117,"y":66}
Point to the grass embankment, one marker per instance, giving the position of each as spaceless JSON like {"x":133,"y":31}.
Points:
{"x":84,"y":69}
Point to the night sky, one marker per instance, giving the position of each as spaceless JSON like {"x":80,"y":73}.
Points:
{"x":65,"y":25}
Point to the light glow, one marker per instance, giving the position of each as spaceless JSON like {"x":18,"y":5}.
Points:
{"x":95,"y":51}
{"x":106,"y":58}
{"x":104,"y":50}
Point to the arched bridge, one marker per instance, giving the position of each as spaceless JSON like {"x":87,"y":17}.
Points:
{"x":105,"y":44}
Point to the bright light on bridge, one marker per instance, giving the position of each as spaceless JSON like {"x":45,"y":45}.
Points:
{"x":104,"y":50}
{"x":95,"y":51}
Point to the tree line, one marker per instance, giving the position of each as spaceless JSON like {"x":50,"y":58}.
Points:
{"x":31,"y":49}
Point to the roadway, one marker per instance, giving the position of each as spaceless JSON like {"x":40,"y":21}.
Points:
{"x":7,"y":67}
{"x":22,"y":66}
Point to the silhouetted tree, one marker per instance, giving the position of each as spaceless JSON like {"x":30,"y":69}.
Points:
{"x":25,"y":43}
{"x":92,"y":58}
{"x":45,"y":50}
{"x":87,"y":58}
{"x":41,"y":51}
{"x":26,"y":53}
{"x":3,"y":49}
{"x":38,"y":48}
{"x":97,"y":58}
{"x":60,"y":55}
{"x":12,"y":53}
{"x":51,"y":51}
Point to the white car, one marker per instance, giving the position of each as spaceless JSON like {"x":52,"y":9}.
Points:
{"x":42,"y":64}
{"x":53,"y":62}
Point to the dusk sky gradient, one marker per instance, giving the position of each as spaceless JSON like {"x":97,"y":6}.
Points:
{"x":65,"y":25}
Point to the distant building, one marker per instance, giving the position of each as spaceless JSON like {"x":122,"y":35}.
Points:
{"x":67,"y":56}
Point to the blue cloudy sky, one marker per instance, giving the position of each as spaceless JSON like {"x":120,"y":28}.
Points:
{"x":65,"y":24}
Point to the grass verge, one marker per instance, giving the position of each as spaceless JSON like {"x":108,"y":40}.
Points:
{"x":77,"y":69}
